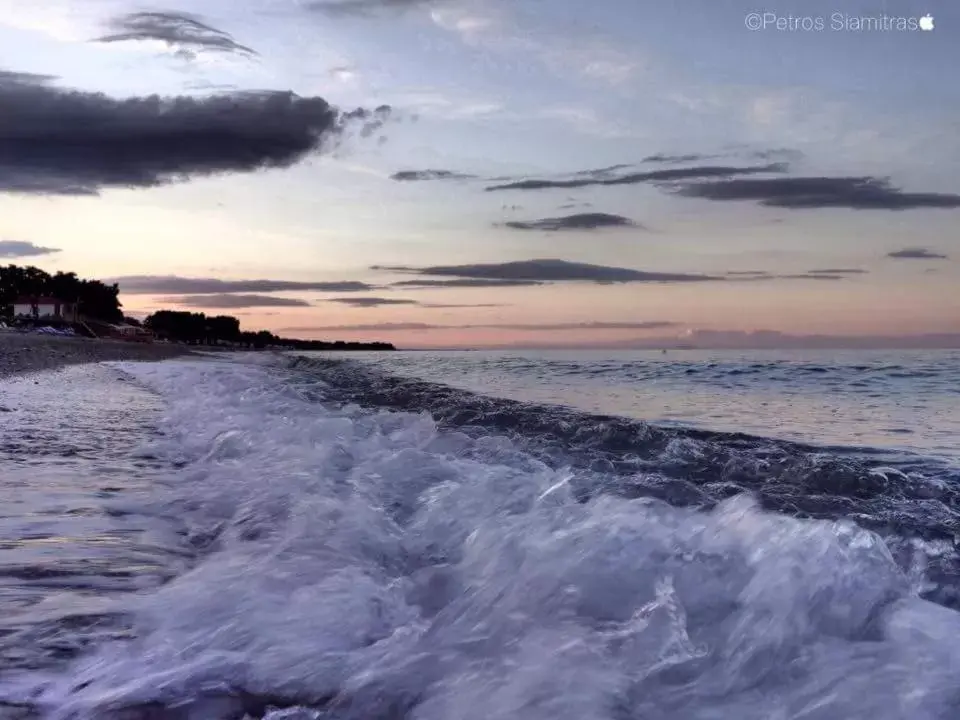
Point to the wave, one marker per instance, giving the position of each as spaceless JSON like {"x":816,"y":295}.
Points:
{"x":361,"y":562}
{"x":624,"y":454}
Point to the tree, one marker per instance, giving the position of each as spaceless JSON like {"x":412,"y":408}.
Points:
{"x":95,"y":299}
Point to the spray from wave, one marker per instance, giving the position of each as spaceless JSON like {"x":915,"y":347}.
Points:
{"x":356,"y":563}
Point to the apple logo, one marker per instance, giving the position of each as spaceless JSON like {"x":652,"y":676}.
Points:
{"x":926,"y":22}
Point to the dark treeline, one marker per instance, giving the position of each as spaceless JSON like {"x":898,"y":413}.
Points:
{"x":94,"y":298}
{"x":199,"y":329}
{"x":101,"y":302}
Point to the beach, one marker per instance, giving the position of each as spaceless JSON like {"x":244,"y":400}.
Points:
{"x":23,"y":353}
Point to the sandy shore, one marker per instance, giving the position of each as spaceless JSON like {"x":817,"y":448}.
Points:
{"x":21,"y":353}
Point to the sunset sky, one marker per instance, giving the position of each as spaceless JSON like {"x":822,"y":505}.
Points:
{"x":550,"y":172}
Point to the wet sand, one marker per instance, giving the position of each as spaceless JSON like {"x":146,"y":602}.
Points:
{"x":23,"y":353}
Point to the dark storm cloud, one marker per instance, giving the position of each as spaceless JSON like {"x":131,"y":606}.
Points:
{"x":550,"y":270}
{"x":858,"y":193}
{"x":916,"y":254}
{"x":653,"y":176}
{"x":174,"y":285}
{"x":55,"y":141}
{"x":458,"y":282}
{"x":188,"y":33}
{"x":368,"y":302}
{"x":419,"y":175}
{"x":346,"y":8}
{"x":19,"y":249}
{"x":235,"y":301}
{"x":581,"y":221}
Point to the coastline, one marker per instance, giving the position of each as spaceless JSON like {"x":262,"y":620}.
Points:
{"x":23,"y":353}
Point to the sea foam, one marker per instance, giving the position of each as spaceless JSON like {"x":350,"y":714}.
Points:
{"x":368,"y":565}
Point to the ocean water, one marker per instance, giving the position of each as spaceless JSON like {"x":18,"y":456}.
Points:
{"x":320,"y":537}
{"x":901,"y":400}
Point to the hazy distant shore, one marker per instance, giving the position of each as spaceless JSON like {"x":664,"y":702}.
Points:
{"x":22,"y":353}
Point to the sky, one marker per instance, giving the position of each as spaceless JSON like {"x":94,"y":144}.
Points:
{"x":496,"y":173}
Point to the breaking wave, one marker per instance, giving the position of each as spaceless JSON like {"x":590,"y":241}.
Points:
{"x":368,"y":547}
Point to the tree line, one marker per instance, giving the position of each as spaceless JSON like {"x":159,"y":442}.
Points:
{"x":195,"y":328}
{"x":99,"y":301}
{"x":94,"y":298}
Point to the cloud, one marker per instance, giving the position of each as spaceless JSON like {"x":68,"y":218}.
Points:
{"x":11,"y":78}
{"x":807,"y":276}
{"x":838,"y":271}
{"x":615,"y":175}
{"x":589,"y":121}
{"x":653,"y":176}
{"x":533,"y":327}
{"x":55,"y":141}
{"x":550,"y":270}
{"x":344,"y":73}
{"x":586,"y":54}
{"x":375,"y":327}
{"x":372,"y":302}
{"x":459,"y":282}
{"x":757,"y":275}
{"x":368,"y":302}
{"x":362,"y":8}
{"x":437,"y":306}
{"x":858,"y":193}
{"x":19,"y":249}
{"x":416,"y":175}
{"x":443,"y":105}
{"x":916,"y":254}
{"x":581,"y":221}
{"x":235,"y":301}
{"x":646,"y":325}
{"x":599,"y":172}
{"x":781,"y":154}
{"x":186,"y":32}
{"x":661,"y":158}
{"x":784,"y":154}
{"x":175,"y":285}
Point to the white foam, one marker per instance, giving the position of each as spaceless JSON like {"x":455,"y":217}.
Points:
{"x":361,"y":562}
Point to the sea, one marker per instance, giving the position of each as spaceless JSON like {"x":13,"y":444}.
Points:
{"x":535,"y":535}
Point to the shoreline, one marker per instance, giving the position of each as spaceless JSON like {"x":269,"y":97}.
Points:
{"x":22,"y":353}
